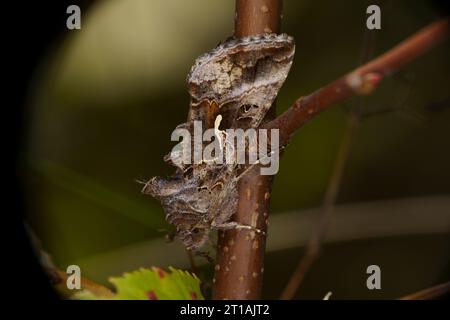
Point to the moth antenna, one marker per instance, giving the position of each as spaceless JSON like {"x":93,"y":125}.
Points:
{"x":146,"y":184}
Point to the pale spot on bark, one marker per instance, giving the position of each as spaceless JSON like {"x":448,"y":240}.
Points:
{"x":363,"y":84}
{"x":233,"y":257}
{"x":217,"y":267}
{"x":241,"y":279}
{"x":264,"y":9}
{"x":225,"y":249}
{"x":254,"y":274}
{"x":266,"y":195}
{"x":254,"y":219}
{"x":255,"y":244}
{"x":268,"y":30}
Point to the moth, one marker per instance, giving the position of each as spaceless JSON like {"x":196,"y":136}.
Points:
{"x":232,"y":86}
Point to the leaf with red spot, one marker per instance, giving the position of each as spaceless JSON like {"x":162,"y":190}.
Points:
{"x":151,"y":284}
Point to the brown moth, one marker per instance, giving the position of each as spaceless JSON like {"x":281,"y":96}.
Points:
{"x":232,"y":86}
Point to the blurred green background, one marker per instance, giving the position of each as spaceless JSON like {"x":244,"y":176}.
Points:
{"x":106,"y":99}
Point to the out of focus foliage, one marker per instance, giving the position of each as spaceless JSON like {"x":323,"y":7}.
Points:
{"x":107,"y":97}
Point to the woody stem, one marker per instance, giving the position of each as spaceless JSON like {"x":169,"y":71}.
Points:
{"x":240,"y":253}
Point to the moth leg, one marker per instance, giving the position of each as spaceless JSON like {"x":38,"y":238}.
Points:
{"x":145,"y":183}
{"x":236,"y":225}
{"x":196,"y":210}
{"x":205,"y":255}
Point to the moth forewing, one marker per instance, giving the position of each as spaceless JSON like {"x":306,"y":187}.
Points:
{"x":232,"y":86}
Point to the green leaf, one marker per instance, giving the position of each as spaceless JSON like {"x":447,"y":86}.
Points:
{"x":151,"y":284}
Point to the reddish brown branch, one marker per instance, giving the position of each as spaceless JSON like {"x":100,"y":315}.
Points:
{"x":360,"y":81}
{"x":239,"y":266}
{"x":430,"y":293}
{"x":59,"y":279}
{"x":240,"y":253}
{"x":314,"y":247}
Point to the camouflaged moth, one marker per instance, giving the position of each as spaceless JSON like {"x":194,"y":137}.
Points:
{"x":232,"y":86}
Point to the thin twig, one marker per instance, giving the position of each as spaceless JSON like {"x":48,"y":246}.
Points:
{"x":240,"y":253}
{"x":314,"y":245}
{"x":360,"y":81}
{"x":430,"y":293}
{"x":192,"y":263}
{"x":243,"y":280}
{"x":57,"y":277}
{"x":59,"y":283}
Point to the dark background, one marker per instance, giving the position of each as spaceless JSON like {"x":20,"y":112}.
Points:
{"x":94,"y":117}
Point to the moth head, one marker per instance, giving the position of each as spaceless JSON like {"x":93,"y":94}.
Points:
{"x":159,"y":187}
